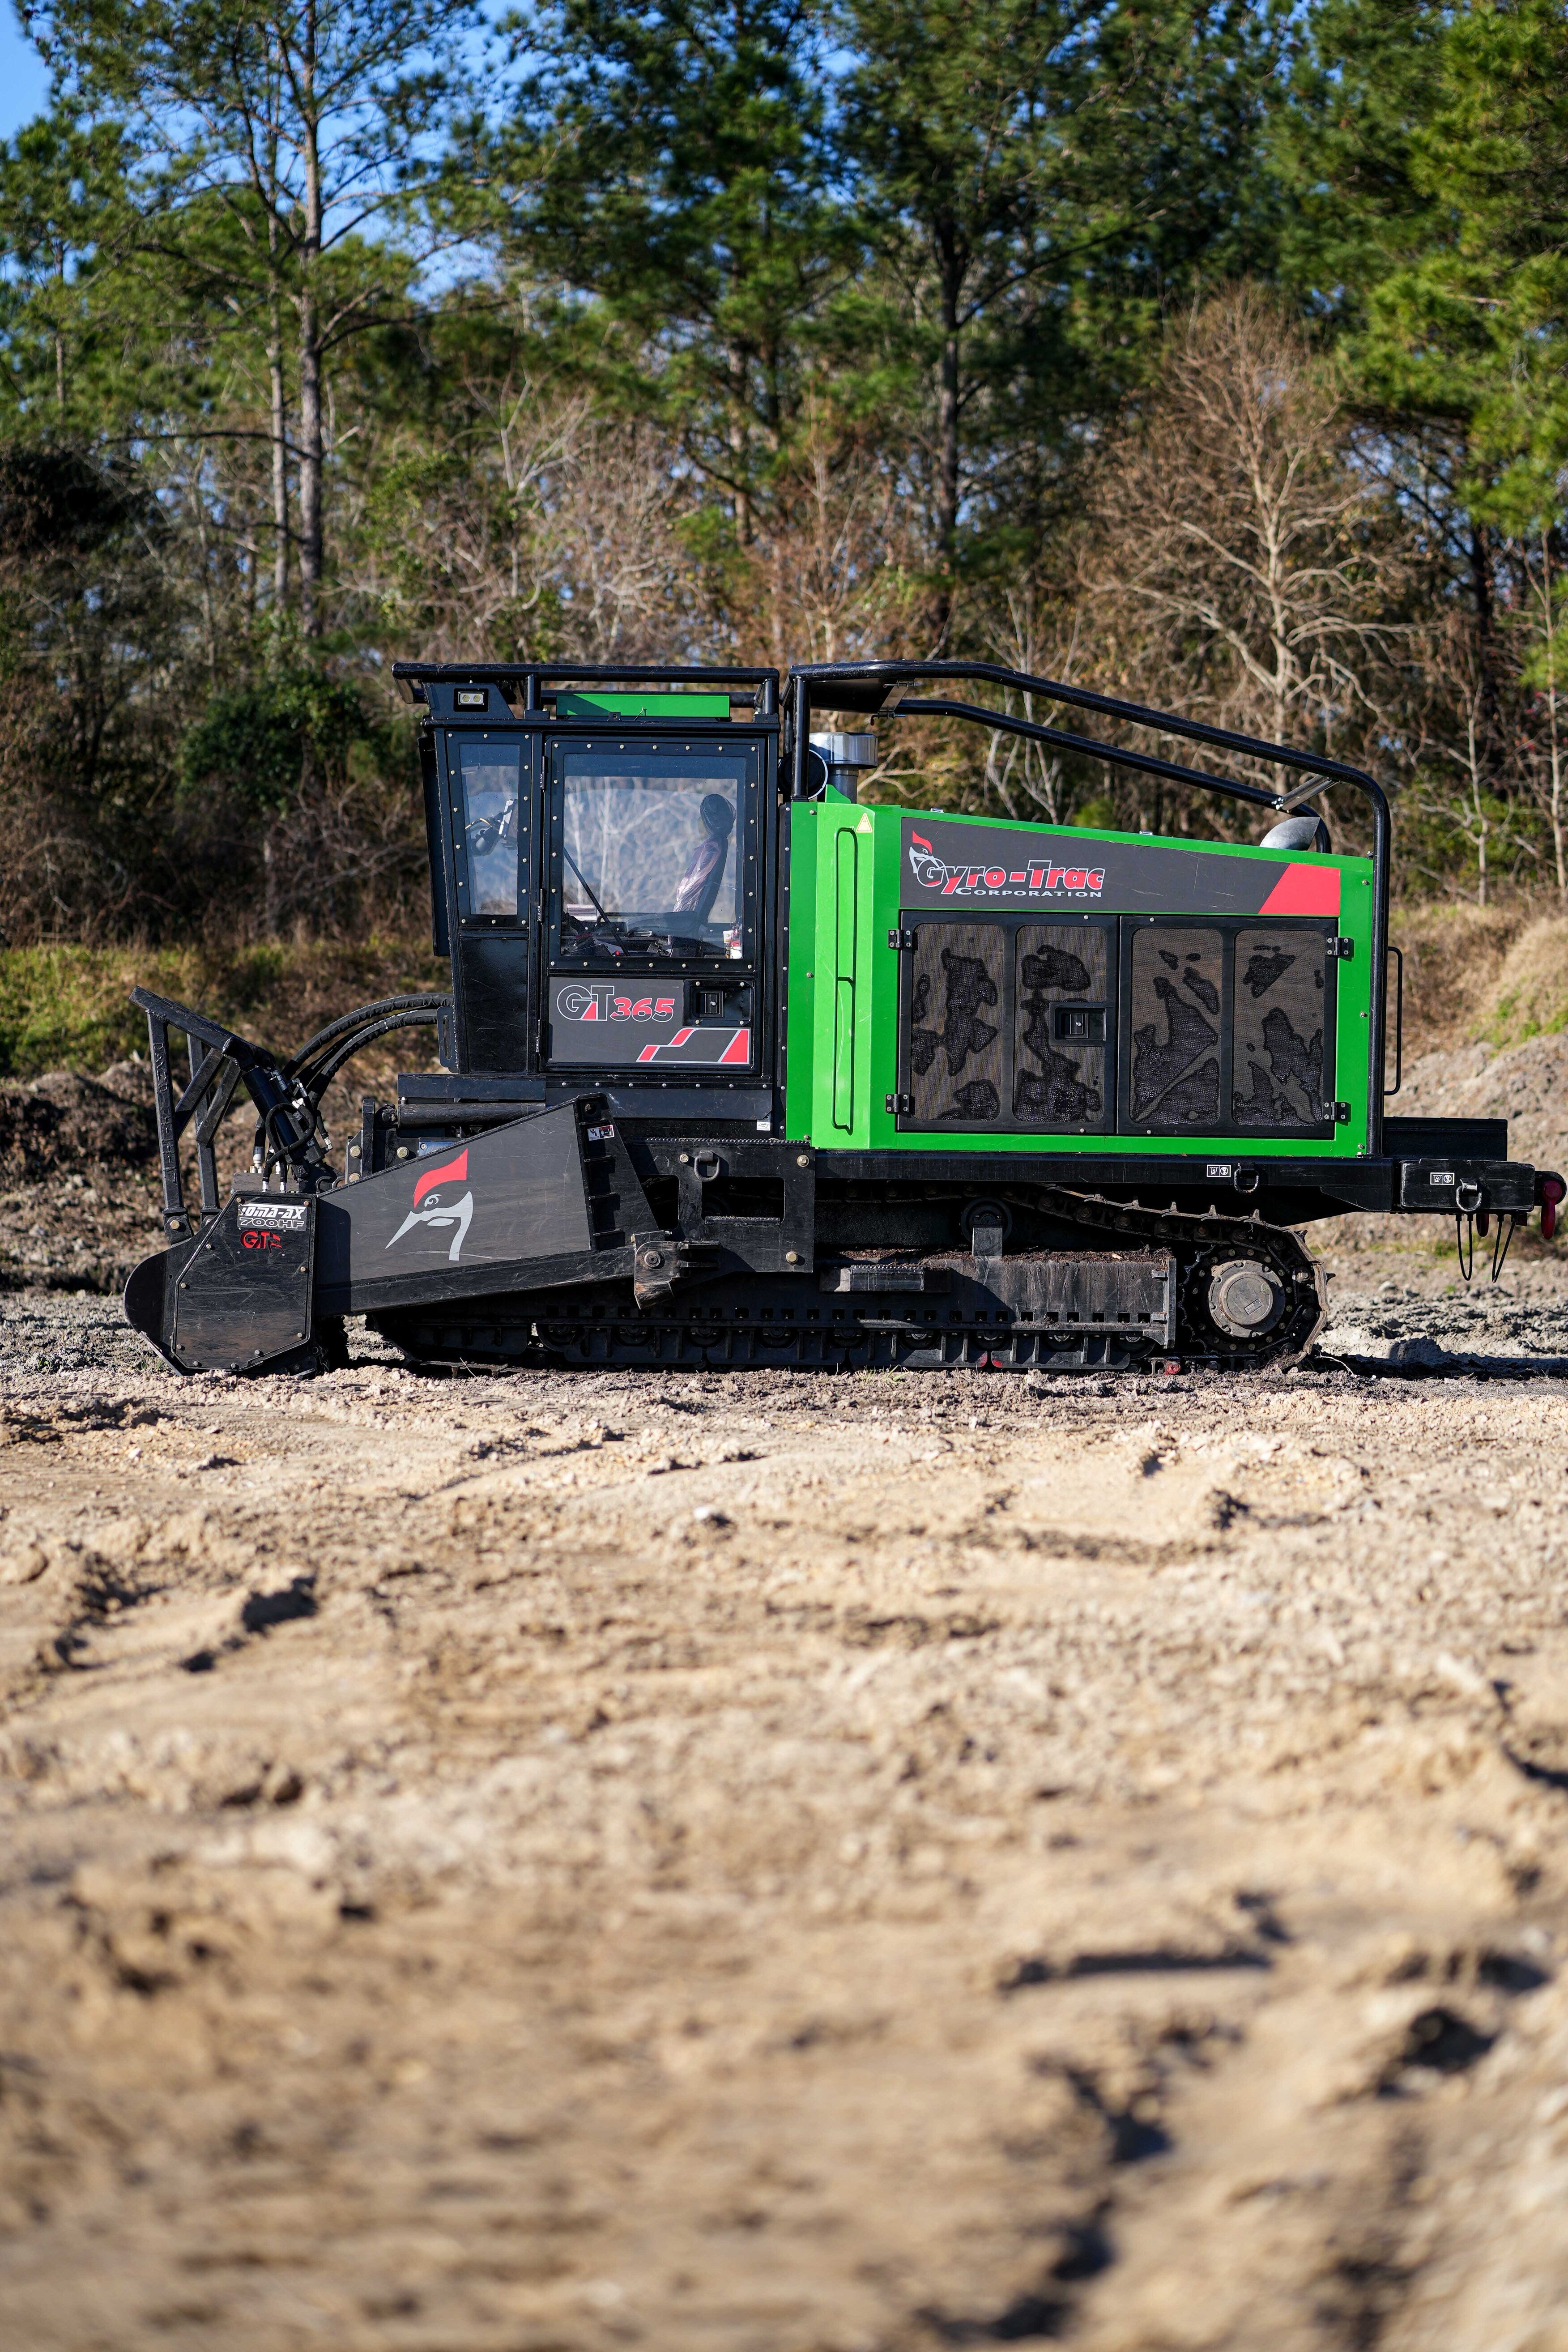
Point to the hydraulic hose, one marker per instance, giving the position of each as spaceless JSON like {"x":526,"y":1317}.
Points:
{"x":319,"y":1075}
{"x":362,"y":1014}
{"x":317,"y":1060}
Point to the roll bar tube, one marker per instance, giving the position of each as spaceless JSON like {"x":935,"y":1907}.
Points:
{"x":882,"y":689}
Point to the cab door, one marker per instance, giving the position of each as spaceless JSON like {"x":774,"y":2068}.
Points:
{"x":487,"y":778}
{"x":652,"y":926}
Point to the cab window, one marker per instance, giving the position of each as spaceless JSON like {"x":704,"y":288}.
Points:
{"x":490,"y":777}
{"x":651,"y":847}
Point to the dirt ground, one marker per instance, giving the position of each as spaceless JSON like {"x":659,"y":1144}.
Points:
{"x":779,"y":1862}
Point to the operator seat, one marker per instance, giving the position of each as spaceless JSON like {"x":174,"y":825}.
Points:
{"x":698,"y":885}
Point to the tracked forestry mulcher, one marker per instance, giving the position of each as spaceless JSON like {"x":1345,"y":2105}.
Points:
{"x":740,"y":1069}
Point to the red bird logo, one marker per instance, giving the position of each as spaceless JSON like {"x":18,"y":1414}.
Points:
{"x":433,"y":1189}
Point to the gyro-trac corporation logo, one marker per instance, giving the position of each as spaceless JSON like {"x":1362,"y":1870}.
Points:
{"x":1038,"y":879}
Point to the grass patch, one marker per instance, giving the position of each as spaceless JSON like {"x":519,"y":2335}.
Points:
{"x":1453,"y":954}
{"x":1530,"y":995}
{"x":1494,"y":975}
{"x":68,"y":1008}
{"x":1497,"y":973}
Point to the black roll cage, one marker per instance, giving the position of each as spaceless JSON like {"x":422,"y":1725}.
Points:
{"x":882,"y":689}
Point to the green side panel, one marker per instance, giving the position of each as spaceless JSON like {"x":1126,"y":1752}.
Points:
{"x":849,"y":890}
{"x":642,"y":706}
{"x":830,"y":1038}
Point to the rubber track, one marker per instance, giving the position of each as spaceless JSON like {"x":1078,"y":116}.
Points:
{"x":1199,"y":1244}
{"x":513,"y":1331}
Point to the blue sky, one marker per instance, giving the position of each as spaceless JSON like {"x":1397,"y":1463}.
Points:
{"x":24,"y":85}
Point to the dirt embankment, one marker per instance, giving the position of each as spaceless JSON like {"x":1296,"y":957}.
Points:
{"x":79,"y":1195}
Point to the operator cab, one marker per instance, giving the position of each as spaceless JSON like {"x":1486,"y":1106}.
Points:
{"x":602,"y":869}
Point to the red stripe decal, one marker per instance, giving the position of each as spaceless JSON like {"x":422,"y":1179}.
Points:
{"x":738,"y":1048}
{"x":650,"y":1053}
{"x":456,"y":1168}
{"x":1305,"y":890}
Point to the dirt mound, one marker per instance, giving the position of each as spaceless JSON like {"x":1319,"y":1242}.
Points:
{"x":131,"y":1079}
{"x":66,"y":1120}
{"x":1454,"y":956}
{"x":78,"y":1159}
{"x":1529,"y":997}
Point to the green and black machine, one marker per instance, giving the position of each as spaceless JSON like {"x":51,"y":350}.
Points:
{"x":740,"y":1067}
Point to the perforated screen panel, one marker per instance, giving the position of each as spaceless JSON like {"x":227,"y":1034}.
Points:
{"x":1282,"y":996}
{"x":1064,"y":1027}
{"x":1176,"y":980}
{"x":1102,"y":1024}
{"x":958,"y":1059}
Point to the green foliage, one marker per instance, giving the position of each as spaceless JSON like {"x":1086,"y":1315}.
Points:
{"x":1491,"y":299}
{"x":765,"y":329}
{"x":67,"y":1007}
{"x":266,"y":743}
{"x":64,"y":213}
{"x":1038,"y":179}
{"x":62,"y":1006}
{"x":62,"y":500}
{"x":674,"y":164}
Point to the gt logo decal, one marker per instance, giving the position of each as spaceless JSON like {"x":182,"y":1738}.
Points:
{"x":600,"y":1001}
{"x":737,"y":1046}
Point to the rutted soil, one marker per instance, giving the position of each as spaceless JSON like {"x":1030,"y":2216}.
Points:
{"x":787,"y":1863}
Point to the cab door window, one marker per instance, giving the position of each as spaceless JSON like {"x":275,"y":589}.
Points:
{"x":654,"y":854}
